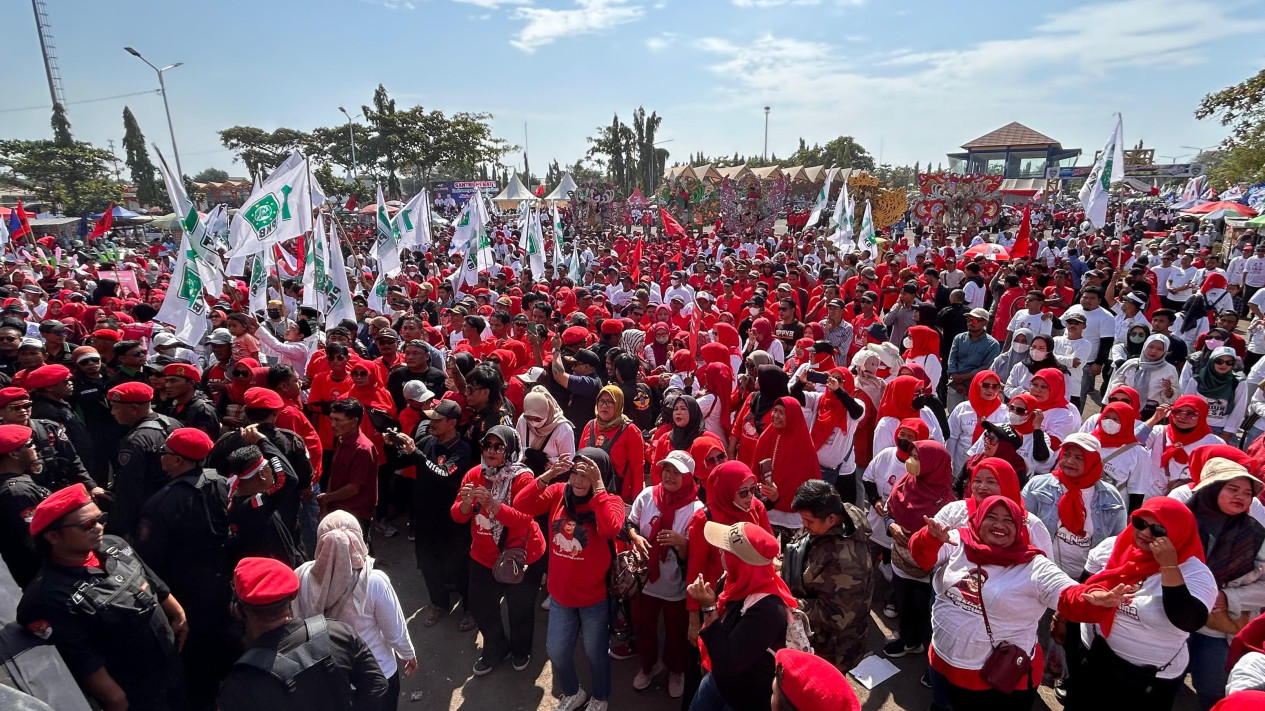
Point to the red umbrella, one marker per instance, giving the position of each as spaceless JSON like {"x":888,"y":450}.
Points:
{"x":990,"y":251}
{"x":1208,"y":207}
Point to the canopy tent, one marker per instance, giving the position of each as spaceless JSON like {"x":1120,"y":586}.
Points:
{"x":734,"y":172}
{"x":767,"y":173}
{"x":6,"y":211}
{"x":565,"y":186}
{"x":1258,"y":221}
{"x":120,"y":213}
{"x":1222,"y":207}
{"x":513,"y":194}
{"x":1022,"y":187}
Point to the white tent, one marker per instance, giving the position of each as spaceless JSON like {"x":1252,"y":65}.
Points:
{"x":565,"y":186}
{"x":513,"y":193}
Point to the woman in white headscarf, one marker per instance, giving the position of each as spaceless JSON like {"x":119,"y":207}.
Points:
{"x":544,"y":430}
{"x":343,"y":585}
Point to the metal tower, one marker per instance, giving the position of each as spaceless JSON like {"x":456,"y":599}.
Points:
{"x":50,"y":52}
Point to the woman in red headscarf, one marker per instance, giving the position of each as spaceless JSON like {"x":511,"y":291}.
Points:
{"x":990,"y":567}
{"x":1058,"y":418}
{"x":787,"y":458}
{"x":983,"y":404}
{"x":903,"y":398}
{"x":515,"y":391}
{"x":922,"y":346}
{"x":727,"y":336}
{"x":716,"y":396}
{"x":1160,"y":556}
{"x":233,"y":397}
{"x":993,"y":476}
{"x":368,"y":389}
{"x":659,"y":353}
{"x":1171,"y":445}
{"x":1123,"y":457}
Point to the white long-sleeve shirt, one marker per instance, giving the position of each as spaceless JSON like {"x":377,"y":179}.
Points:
{"x":294,"y":354}
{"x":382,"y":626}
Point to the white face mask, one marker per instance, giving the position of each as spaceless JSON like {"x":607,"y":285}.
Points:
{"x":908,"y":342}
{"x":1039,"y":354}
{"x":1214,"y":343}
{"x":754,"y":310}
{"x":1109,"y":426}
{"x":1019,"y":347}
{"x":1017,"y":419}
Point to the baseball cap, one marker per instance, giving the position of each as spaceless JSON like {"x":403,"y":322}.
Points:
{"x":978,"y":313}
{"x":220,"y":337}
{"x":679,"y":460}
{"x":444,"y":409}
{"x":751,"y":543}
{"x":417,"y":391}
{"x":164,"y":340}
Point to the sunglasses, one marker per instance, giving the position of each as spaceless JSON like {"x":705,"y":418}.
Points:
{"x":241,"y":373}
{"x":337,"y":358}
{"x":1223,"y":361}
{"x":715,"y":459}
{"x":87,"y":524}
{"x":746,"y":492}
{"x":1017,"y":410}
{"x":1156,"y":529}
{"x":493,"y":447}
{"x":90,"y":360}
{"x":990,"y":386}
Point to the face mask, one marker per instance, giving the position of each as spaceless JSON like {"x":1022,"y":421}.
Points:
{"x":1214,"y":343}
{"x":919,"y":402}
{"x":1109,"y":426}
{"x":1137,"y":338}
{"x":1017,"y":419}
{"x":273,"y":313}
{"x":1039,"y":353}
{"x":905,"y":445}
{"x":908,"y":343}
{"x":754,"y":310}
{"x":913,"y":467}
{"x":1019,"y":347}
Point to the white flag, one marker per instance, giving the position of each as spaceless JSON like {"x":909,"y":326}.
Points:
{"x":823,"y":199}
{"x":1108,"y":169}
{"x":184,"y":307}
{"x":481,"y":244}
{"x":239,"y":230}
{"x":282,"y":209}
{"x":868,"y":239}
{"x":470,"y":220}
{"x":574,"y":270}
{"x":217,"y":225}
{"x":559,"y":260}
{"x":413,"y":222}
{"x":338,"y":293}
{"x":534,"y":245}
{"x":259,"y":282}
{"x":843,"y":234}
{"x":4,"y":234}
{"x":386,"y":248}
{"x":315,"y":263}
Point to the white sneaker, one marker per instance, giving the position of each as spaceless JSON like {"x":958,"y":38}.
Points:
{"x":598,"y":705}
{"x":644,"y":679}
{"x":574,"y":702}
{"x":676,"y":685}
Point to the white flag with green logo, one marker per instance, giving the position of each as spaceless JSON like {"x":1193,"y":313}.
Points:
{"x":217,"y":225}
{"x":281,"y":209}
{"x":238,"y":231}
{"x":575,"y":271}
{"x":315,"y":266}
{"x":533,"y":244}
{"x":845,"y":215}
{"x":197,"y":266}
{"x":472,"y":219}
{"x":559,"y":259}
{"x":823,"y":199}
{"x":386,"y":246}
{"x":868,"y":239}
{"x":413,"y":222}
{"x":338,"y":292}
{"x":259,"y":282}
{"x":1108,"y":169}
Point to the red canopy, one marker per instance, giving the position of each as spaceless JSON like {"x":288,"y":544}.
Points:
{"x":6,"y":211}
{"x":1208,"y":207}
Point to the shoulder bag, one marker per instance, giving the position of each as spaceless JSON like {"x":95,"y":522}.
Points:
{"x":1007,"y":665}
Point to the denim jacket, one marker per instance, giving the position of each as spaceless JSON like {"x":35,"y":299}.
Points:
{"x":1107,"y":510}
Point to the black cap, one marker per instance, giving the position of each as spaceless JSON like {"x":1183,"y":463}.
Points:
{"x":444,"y":409}
{"x":588,"y":357}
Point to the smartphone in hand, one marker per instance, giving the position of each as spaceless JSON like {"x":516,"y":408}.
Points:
{"x":766,"y":470}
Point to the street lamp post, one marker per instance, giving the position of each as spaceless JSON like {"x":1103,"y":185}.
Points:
{"x":351,"y":135}
{"x":162,"y":89}
{"x":766,"y":133}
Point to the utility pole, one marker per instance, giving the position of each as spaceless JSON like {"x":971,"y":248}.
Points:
{"x":766,"y":133}
{"x":51,"y":70}
{"x":113,"y":158}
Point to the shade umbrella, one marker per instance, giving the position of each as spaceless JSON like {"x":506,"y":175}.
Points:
{"x":990,"y":251}
{"x":1258,"y":221}
{"x":1221,"y":205}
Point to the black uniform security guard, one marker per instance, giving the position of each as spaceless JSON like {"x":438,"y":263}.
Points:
{"x":89,"y":403}
{"x":185,"y":403}
{"x":113,"y":620}
{"x":59,"y":464}
{"x":312,"y":665}
{"x":51,"y":388}
{"x":138,"y":472}
{"x":19,"y":495}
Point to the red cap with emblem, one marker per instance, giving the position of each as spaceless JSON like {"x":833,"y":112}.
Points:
{"x":58,"y":504}
{"x":132,"y":393}
{"x":47,"y":376}
{"x":106,"y":334}
{"x":263,"y":399}
{"x":811,"y":683}
{"x":183,"y":370}
{"x":611,"y":327}
{"x":8,"y":396}
{"x":263,"y":581}
{"x":190,"y":443}
{"x":575,"y":335}
{"x":13,"y":437}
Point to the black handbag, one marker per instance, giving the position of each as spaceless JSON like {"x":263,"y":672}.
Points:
{"x":1007,"y":665}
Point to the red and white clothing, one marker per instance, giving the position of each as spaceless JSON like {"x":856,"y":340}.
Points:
{"x":1158,"y":477}
{"x":955,"y":515}
{"x":579,"y":555}
{"x":671,"y":582}
{"x":520,"y":528}
{"x":884,"y":471}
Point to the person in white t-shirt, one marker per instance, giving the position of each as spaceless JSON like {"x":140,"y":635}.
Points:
{"x":1033,"y":317}
{"x":1182,"y":282}
{"x":1098,"y":326}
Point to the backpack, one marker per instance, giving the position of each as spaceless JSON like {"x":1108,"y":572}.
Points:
{"x":312,"y":660}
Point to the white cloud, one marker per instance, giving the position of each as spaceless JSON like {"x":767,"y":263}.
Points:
{"x":392,"y":4}
{"x":779,"y":3}
{"x":493,"y":4}
{"x":661,"y":42}
{"x":545,"y":25}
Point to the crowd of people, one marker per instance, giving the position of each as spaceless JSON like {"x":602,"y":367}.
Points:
{"x":711,"y":456}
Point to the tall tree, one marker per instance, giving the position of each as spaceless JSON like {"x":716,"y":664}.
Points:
{"x":211,"y":175}
{"x":143,"y":173}
{"x":1241,"y":106}
{"x":72,"y":178}
{"x":61,"y":127}
{"x":553,"y":175}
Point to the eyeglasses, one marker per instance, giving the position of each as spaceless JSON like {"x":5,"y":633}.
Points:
{"x":1156,"y":529}
{"x":241,"y":373}
{"x":8,"y":338}
{"x":87,"y":524}
{"x":1185,"y":413}
{"x":471,"y":389}
{"x":1223,"y":361}
{"x":493,"y":447}
{"x":337,"y":358}
{"x":747,"y":491}
{"x":1017,"y":410}
{"x":718,"y":458}
{"x":990,"y":386}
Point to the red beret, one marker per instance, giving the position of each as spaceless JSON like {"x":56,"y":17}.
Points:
{"x":58,"y":504}
{"x":8,"y":396}
{"x":183,"y":370}
{"x":190,"y":443}
{"x":611,"y":327}
{"x":107,"y":334}
{"x":264,"y":399}
{"x":47,"y":376}
{"x":133,"y":393}
{"x":811,"y":683}
{"x":263,"y":581}
{"x":574,"y":335}
{"x":13,"y":437}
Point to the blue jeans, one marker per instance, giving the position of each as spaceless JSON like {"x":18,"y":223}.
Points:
{"x":567,"y":623}
{"x":1208,"y":656}
{"x":708,"y":697}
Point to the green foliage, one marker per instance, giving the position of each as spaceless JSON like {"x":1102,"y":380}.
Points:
{"x":627,"y":154}
{"x":72,"y":178}
{"x":1244,"y":162}
{"x":144,"y":174}
{"x":1242,"y":154}
{"x":896,"y":177}
{"x":259,"y":149}
{"x":61,"y":127}
{"x":842,"y":152}
{"x":211,"y":175}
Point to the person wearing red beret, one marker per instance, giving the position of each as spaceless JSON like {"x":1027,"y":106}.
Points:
{"x":50,"y":400}
{"x":113,"y":620}
{"x":805,"y":682}
{"x":185,"y":402}
{"x":19,"y":495}
{"x":138,"y":472}
{"x":265,"y":589}
{"x":60,"y":463}
{"x":183,"y":536}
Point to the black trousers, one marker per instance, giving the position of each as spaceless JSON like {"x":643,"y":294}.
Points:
{"x":443,"y":556}
{"x":391,"y":701}
{"x":485,"y":604}
{"x":913,"y":603}
{"x":960,"y":698}
{"x":1105,"y":681}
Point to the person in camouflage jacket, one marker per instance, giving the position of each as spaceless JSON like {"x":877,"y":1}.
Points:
{"x":829,"y":569}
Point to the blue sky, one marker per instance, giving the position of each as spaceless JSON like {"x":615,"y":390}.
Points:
{"x":916,"y":78}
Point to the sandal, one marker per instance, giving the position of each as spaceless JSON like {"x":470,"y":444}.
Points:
{"x":431,"y":616}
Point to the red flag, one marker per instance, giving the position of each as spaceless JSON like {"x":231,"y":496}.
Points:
{"x":634,"y":268}
{"x":695,"y":326}
{"x":103,"y":225}
{"x":24,"y":227}
{"x":1024,"y":246}
{"x":670,"y":225}
{"x":351,"y":203}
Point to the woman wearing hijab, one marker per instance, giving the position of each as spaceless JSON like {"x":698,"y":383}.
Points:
{"x":1059,"y":419}
{"x":633,"y":341}
{"x":659,"y":352}
{"x":685,"y":426}
{"x":583,"y":519}
{"x":834,"y":417}
{"x":879,"y":479}
{"x":545,"y":432}
{"x":922,"y":346}
{"x":993,"y":476}
{"x":1005,"y":361}
{"x":983,"y":404}
{"x":746,"y":624}
{"x":1201,"y":456}
{"x":760,"y":338}
{"x":786,"y":458}
{"x":1078,"y":508}
{"x":715,"y":398}
{"x":707,"y":455}
{"x":1171,"y":445}
{"x":990,"y":565}
{"x":727,"y":336}
{"x":1161,"y":556}
{"x":613,"y":432}
{"x":904,"y":397}
{"x":1149,"y":374}
{"x":924,"y":489}
{"x":753,"y":415}
{"x":1132,"y":345}
{"x":342,"y":584}
{"x":1197,"y":313}
{"x":486,"y":500}
{"x":232,"y":400}
{"x":661,"y":517}
{"x":1219,"y":382}
{"x":1234,"y":550}
{"x":1040,"y":357}
{"x":932,"y":401}
{"x":1128,"y":396}
{"x":1125,"y":462}
{"x":1247,"y":659}
{"x":869,"y":390}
